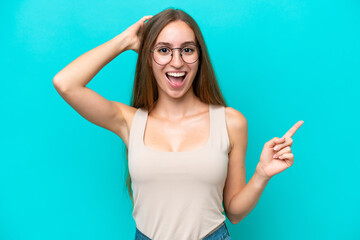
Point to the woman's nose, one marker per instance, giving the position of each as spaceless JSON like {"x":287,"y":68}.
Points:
{"x":176,"y":58}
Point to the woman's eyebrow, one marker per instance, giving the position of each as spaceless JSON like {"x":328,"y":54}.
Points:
{"x":169,"y":44}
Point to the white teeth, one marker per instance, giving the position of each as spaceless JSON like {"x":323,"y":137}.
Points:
{"x":176,"y":74}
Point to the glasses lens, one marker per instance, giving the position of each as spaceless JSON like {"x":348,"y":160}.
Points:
{"x":162,"y":54}
{"x":190,"y":54}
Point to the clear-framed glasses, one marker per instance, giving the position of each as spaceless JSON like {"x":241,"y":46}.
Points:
{"x":162,"y":55}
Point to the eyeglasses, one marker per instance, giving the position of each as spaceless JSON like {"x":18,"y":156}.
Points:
{"x":162,"y":55}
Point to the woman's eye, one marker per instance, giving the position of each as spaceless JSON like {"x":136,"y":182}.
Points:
{"x":188,"y":50}
{"x":163,"y":50}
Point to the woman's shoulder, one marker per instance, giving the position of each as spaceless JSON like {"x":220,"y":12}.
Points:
{"x":236,"y":124}
{"x":234,"y":117}
{"x":127,"y":114}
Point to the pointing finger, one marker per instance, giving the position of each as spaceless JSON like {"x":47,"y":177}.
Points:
{"x":292,"y":130}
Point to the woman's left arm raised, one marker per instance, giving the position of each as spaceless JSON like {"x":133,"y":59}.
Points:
{"x":276,"y":156}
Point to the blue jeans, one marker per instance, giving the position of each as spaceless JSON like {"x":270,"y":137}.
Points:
{"x":221,"y":233}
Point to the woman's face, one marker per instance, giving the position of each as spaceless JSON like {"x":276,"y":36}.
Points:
{"x":175,"y":34}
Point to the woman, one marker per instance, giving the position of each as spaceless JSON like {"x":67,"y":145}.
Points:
{"x":186,"y":148}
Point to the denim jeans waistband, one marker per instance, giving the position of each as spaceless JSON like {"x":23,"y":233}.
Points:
{"x":221,"y":233}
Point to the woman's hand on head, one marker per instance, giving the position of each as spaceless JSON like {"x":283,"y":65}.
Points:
{"x":133,"y":34}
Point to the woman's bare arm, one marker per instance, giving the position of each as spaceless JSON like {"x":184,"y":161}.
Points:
{"x":80,"y":71}
{"x":71,"y":83}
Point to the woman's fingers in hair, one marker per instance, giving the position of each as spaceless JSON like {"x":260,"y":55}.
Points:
{"x":145,"y":18}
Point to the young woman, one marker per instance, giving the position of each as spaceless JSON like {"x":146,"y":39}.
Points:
{"x":186,"y":148}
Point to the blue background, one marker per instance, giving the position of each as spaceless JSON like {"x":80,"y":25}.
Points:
{"x":277,"y":62}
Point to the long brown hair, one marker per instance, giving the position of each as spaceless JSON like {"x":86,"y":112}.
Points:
{"x":145,"y":91}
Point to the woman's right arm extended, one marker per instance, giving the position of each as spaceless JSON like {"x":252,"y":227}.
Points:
{"x":71,"y":82}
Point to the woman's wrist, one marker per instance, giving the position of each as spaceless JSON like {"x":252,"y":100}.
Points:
{"x":260,"y":178}
{"x":122,"y":42}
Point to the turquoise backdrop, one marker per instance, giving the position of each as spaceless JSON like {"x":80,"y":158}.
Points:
{"x":277,"y":62}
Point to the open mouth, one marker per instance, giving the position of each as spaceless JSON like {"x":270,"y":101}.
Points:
{"x":175,"y":81}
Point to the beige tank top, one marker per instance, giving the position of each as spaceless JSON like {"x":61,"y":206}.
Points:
{"x":179,"y":195}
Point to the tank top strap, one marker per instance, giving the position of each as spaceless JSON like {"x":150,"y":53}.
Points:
{"x":220,"y":139}
{"x":137,"y":128}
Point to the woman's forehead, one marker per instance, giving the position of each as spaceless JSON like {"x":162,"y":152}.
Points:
{"x":176,"y":34}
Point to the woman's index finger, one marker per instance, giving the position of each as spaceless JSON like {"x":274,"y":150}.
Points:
{"x":292,"y":130}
